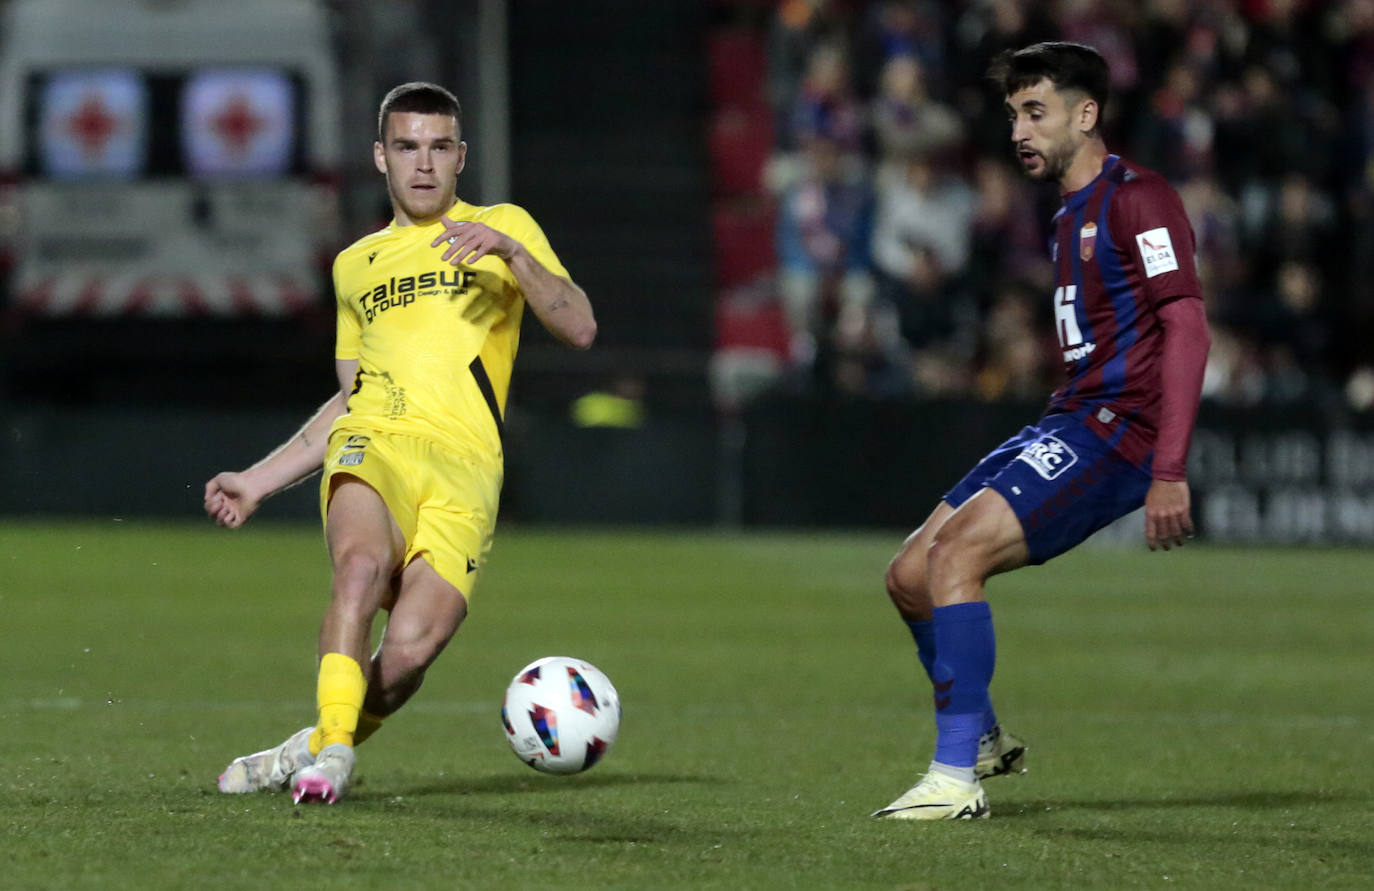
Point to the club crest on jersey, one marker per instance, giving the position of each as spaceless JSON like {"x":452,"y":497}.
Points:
{"x":1050,"y":457}
{"x":1157,"y":250}
{"x":1087,"y":236}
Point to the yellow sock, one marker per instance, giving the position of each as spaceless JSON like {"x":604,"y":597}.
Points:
{"x":339,"y":695}
{"x":368,"y":724}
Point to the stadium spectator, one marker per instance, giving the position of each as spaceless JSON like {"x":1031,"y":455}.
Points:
{"x":1174,"y":134}
{"x":866,"y":355}
{"x":825,"y":221}
{"x":921,"y":244}
{"x":906,"y":120}
{"x":1013,"y":353}
{"x":798,"y":27}
{"x":889,"y":29}
{"x":1294,"y":327}
{"x":826,"y":107}
{"x":1007,"y":244}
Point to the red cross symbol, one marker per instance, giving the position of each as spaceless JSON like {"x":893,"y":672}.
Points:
{"x":236,"y":124}
{"x":92,"y":126}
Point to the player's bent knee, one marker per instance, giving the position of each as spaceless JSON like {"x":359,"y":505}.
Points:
{"x":905,"y":578}
{"x":907,"y":586}
{"x":954,"y":560}
{"x":412,"y":656}
{"x":360,"y":577}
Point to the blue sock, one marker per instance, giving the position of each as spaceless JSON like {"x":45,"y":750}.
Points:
{"x":966,"y":653}
{"x":924,"y":634}
{"x":989,"y":718}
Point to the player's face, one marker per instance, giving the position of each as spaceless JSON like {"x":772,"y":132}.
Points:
{"x":422,"y":157}
{"x":1048,"y":128}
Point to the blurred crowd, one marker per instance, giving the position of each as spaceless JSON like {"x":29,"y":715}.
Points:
{"x":904,"y":255}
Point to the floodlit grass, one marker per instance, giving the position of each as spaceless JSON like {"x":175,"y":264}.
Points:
{"x":1196,"y":719}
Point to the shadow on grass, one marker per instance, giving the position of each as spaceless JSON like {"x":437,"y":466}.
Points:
{"x":562,"y":821}
{"x":579,"y":825}
{"x":1267,"y":832}
{"x":1259,"y":801}
{"x":510,"y":784}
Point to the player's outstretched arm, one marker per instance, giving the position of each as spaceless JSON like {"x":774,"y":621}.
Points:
{"x":559,"y":304}
{"x":233,"y":496}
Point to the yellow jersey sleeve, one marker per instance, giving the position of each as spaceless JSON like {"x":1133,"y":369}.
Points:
{"x":516,"y":222}
{"x":348,"y":331}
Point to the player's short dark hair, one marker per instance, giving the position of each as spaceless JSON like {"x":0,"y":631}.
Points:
{"x":418,"y":97}
{"x":1069,"y":66}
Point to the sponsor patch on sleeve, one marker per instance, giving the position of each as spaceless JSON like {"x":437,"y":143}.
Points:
{"x":1157,"y":250}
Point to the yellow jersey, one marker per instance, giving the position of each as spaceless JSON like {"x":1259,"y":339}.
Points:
{"x":435,"y":343}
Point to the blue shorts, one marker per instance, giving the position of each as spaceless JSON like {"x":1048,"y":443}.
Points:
{"x":1063,"y":481}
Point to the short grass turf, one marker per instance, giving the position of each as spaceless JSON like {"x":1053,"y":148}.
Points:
{"x":1200,"y":718}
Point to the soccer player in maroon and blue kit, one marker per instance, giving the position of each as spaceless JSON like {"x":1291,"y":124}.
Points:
{"x":1134,"y":339}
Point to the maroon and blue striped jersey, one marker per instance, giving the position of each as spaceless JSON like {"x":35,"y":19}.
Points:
{"x":1122,"y":248}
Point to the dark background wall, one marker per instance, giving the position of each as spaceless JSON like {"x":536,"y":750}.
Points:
{"x":1292,"y":478}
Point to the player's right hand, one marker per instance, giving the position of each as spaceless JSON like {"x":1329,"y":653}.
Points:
{"x":228,"y":500}
{"x":1168,"y":518}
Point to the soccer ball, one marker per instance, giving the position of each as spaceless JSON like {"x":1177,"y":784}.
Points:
{"x":561,"y":714}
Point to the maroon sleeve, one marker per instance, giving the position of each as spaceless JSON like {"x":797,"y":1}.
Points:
{"x":1182,"y":365}
{"x":1149,"y":223}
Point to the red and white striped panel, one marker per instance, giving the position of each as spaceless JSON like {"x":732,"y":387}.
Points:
{"x":89,"y":295}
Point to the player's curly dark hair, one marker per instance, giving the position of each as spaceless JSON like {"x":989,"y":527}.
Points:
{"x":1069,"y":66}
{"x":417,"y":97}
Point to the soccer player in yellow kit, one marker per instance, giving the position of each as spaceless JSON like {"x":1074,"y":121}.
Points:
{"x":429,"y":313}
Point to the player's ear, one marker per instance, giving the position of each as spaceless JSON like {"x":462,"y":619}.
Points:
{"x":1087,"y":115}
{"x":379,"y":157}
{"x":462,"y":158}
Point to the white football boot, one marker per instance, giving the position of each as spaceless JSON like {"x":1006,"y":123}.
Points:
{"x":939,"y":796}
{"x":999,"y":752}
{"x":327,"y":779}
{"x":269,"y":769}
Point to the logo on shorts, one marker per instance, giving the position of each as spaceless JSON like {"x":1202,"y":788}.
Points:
{"x":1050,"y":456}
{"x":352,"y":452}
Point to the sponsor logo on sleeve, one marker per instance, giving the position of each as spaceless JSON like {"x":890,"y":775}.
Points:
{"x":1157,"y":250}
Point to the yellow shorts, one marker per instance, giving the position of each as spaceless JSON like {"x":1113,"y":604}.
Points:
{"x":444,"y":502}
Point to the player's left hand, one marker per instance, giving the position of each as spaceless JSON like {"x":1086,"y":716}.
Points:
{"x":469,"y":242}
{"x":1168,"y":518}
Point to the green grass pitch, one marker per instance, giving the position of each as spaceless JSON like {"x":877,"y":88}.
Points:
{"x":1200,"y":718}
